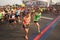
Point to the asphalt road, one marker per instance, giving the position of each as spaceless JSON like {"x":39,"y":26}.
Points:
{"x":54,"y":34}
{"x":16,"y":32}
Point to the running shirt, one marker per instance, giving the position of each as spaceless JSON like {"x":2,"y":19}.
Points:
{"x":37,"y":16}
{"x":41,"y":9}
{"x":17,"y":12}
{"x":12,"y":16}
{"x":1,"y":15}
{"x":26,"y":20}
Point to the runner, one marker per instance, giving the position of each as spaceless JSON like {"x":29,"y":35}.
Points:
{"x":6,"y":17}
{"x":32,"y":13}
{"x":1,"y":16}
{"x":12,"y":18}
{"x":26,"y":23}
{"x":36,"y":19}
{"x":17,"y":15}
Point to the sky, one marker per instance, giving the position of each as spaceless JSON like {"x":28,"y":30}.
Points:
{"x":4,"y":2}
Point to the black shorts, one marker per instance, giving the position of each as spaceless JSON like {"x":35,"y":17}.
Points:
{"x":11,"y":20}
{"x":17,"y":15}
{"x":27,"y":26}
{"x":0,"y":19}
{"x":35,"y":21}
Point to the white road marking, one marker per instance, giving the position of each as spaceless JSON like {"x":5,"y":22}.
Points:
{"x":47,"y":18}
